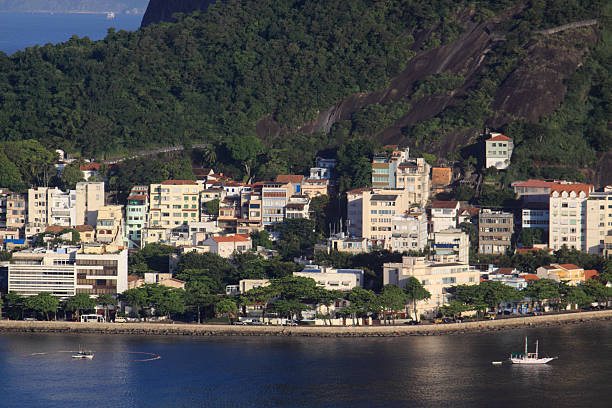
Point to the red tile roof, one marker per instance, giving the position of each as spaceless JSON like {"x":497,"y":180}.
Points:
{"x":532,"y":250}
{"x":232,"y":238}
{"x":289,"y":178}
{"x":473,"y":211}
{"x":444,"y":204}
{"x":132,"y":278}
{"x":90,"y":166}
{"x":499,"y":138}
{"x":530,"y":277}
{"x":589,"y":274}
{"x":179,"y":182}
{"x":84,"y":228}
{"x":576,"y":187}
{"x":535,"y":183}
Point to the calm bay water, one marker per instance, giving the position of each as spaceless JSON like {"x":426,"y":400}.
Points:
{"x":18,"y":31}
{"x":447,"y":371}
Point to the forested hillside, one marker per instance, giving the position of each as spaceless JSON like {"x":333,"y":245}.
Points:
{"x":299,"y":77}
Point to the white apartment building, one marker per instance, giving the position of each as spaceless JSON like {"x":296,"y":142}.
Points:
{"x":333,"y":279}
{"x":452,"y":245}
{"x":568,"y":208}
{"x":52,"y":206}
{"x":437,"y":278}
{"x":174,"y":202}
{"x":67,"y":271}
{"x":408,"y":231}
{"x":498,"y":151}
{"x":444,"y":215}
{"x":598,"y":220}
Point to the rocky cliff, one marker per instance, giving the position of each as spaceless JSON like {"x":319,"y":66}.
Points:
{"x":162,"y":10}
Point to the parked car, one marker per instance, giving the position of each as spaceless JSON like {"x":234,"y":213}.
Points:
{"x":255,"y":322}
{"x":239,"y":323}
{"x":413,"y":322}
{"x":490,"y":315}
{"x":289,"y":323}
{"x":119,"y":319}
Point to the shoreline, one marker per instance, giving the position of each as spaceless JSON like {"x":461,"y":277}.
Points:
{"x":164,"y":329}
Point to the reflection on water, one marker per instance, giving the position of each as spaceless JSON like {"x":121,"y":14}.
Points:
{"x":444,"y":371}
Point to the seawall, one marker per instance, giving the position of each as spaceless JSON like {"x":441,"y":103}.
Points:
{"x":160,"y":329}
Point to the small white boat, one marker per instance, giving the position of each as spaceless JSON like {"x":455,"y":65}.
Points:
{"x":83,"y":354}
{"x":110,"y":15}
{"x":497,"y":362}
{"x":529,"y":358}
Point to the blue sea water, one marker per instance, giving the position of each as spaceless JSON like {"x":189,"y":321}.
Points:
{"x":18,"y":31}
{"x":36,"y":370}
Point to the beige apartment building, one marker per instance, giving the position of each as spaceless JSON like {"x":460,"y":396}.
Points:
{"x":109,"y":225}
{"x":174,"y":202}
{"x":568,"y":215}
{"x":12,"y":210}
{"x":437,"y":278}
{"x":398,"y":171}
{"x":90,"y":197}
{"x":379,"y":207}
{"x":599,"y":221}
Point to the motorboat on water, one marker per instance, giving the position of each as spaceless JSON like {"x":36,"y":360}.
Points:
{"x":83,"y":354}
{"x":530,"y":358}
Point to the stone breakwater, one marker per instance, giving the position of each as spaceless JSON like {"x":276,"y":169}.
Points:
{"x":160,"y":329}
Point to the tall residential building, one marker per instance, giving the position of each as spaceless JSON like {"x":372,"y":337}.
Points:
{"x":452,"y":245}
{"x":52,"y":206}
{"x":13,"y":210}
{"x":498,"y":151}
{"x":495,"y":229}
{"x":444,"y":215}
{"x":437,"y":278}
{"x":174,"y":202}
{"x":109,"y":225}
{"x":398,"y":171}
{"x":379,"y":206}
{"x":90,"y":197}
{"x":136,"y":215}
{"x":354,"y":211}
{"x":599,"y":221}
{"x":67,"y":271}
{"x":274,"y":197}
{"x":408,"y":231}
{"x":568,"y":208}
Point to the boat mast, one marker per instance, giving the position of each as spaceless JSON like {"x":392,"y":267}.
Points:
{"x":536,"y":348}
{"x":525,"y":345}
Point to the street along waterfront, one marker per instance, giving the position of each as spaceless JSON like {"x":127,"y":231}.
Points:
{"x":432,"y":371}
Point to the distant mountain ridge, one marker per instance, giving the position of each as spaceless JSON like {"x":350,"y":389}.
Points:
{"x":162,"y":10}
{"x":62,"y":6}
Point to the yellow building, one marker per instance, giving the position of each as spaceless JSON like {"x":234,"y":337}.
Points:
{"x":568,"y":273}
{"x":174,"y":202}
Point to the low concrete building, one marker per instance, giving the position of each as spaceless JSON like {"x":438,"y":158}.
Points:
{"x":498,"y":151}
{"x":333,"y":279}
{"x":568,"y":273}
{"x":353,"y":245}
{"x":225,"y":246}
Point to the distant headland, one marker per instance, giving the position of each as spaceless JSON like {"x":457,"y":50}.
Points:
{"x":134,"y":7}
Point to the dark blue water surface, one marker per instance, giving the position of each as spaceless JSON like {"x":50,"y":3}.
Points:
{"x":18,"y":31}
{"x":445,"y":371}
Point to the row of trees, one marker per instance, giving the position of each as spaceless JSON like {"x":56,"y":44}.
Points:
{"x":44,"y":304}
{"x":489,"y":295}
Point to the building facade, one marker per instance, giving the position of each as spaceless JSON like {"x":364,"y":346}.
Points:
{"x":495,"y":229}
{"x":567,"y":209}
{"x":67,"y":271}
{"x":174,"y":202}
{"x":598,"y":220}
{"x":498,"y":151}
